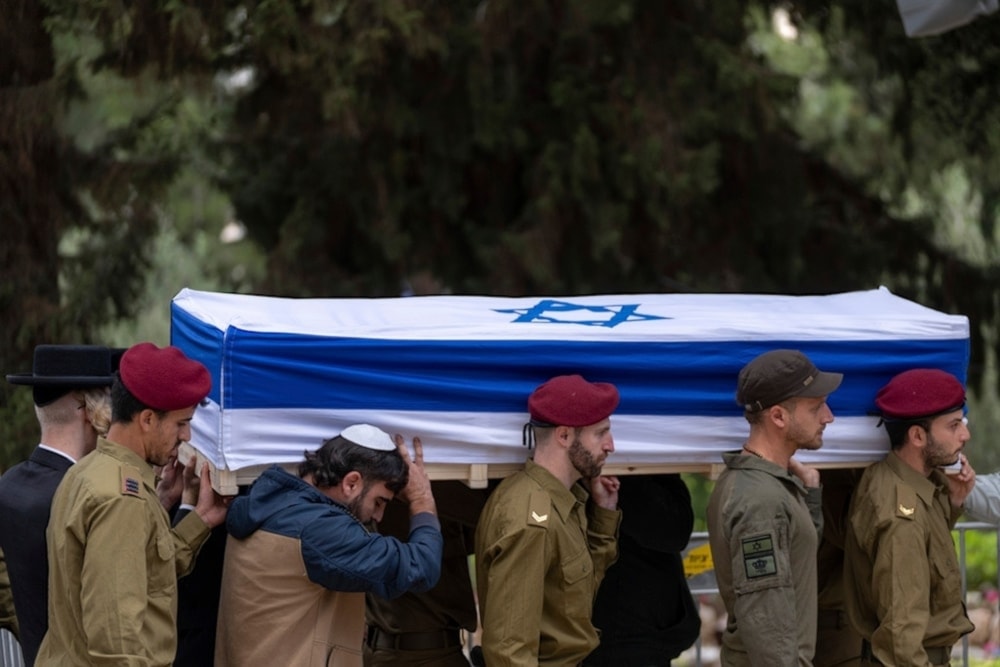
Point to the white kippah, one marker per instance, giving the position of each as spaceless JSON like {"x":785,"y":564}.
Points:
{"x":369,"y":436}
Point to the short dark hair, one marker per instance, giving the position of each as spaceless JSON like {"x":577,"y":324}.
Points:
{"x":338,"y":456}
{"x":125,"y":406}
{"x":755,"y":417}
{"x":898,"y":429}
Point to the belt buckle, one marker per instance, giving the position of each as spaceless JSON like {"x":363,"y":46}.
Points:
{"x":378,"y":639}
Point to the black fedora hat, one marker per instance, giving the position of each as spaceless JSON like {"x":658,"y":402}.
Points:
{"x":59,"y":369}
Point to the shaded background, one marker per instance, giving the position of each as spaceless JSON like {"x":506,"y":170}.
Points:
{"x":336,"y":148}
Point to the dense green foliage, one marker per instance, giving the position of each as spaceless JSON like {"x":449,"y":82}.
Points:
{"x":495,"y":147}
{"x":980,"y":558}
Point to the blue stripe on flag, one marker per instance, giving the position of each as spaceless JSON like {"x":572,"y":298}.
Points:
{"x":285,"y":370}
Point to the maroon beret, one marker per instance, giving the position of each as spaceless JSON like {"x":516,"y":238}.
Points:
{"x":164,"y":378}
{"x":569,"y":400}
{"x":921,"y":392}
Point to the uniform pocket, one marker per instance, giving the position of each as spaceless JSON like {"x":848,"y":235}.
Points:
{"x":577,"y":574}
{"x":165,"y":547}
{"x":162,"y":572}
{"x":341,"y":656}
{"x":946,"y":580}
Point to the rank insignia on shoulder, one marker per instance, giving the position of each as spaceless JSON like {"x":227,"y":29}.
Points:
{"x":131,"y":482}
{"x":906,"y":501}
{"x":539,"y":506}
{"x":758,"y":556}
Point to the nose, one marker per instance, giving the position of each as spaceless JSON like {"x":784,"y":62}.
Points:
{"x":827,"y":414}
{"x":609,"y":447}
{"x":377,"y":514}
{"x":965,"y":434}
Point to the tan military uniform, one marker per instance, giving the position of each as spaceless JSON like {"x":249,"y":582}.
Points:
{"x":425,"y":629}
{"x":541,"y":552}
{"x":113,"y":564}
{"x":763,"y":530}
{"x":903,"y":585}
{"x":8,"y":619}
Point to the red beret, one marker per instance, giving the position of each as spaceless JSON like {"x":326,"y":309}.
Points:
{"x":164,"y":378}
{"x":569,"y":400}
{"x":921,"y":392}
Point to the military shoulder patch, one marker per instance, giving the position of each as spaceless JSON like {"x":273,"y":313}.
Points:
{"x":758,"y":556}
{"x":539,"y":508}
{"x":906,"y":501}
{"x":131,"y":481}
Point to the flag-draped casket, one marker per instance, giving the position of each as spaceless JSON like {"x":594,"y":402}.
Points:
{"x":457,"y":370}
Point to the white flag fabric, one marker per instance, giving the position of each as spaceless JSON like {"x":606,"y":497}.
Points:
{"x":923,"y":18}
{"x":457,"y":370}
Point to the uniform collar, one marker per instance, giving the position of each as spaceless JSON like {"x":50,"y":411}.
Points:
{"x":924,"y":486}
{"x":52,"y":457}
{"x":563,"y":499}
{"x":128,"y":457}
{"x":738,"y":461}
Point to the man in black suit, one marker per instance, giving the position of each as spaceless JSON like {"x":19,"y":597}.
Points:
{"x":644,"y":608}
{"x":70,"y":386}
{"x":198,"y":592}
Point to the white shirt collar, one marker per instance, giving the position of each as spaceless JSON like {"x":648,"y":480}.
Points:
{"x":57,"y":451}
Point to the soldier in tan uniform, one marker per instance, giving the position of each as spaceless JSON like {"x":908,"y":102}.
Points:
{"x":114,"y":560}
{"x":903,"y":585}
{"x":543,"y":542}
{"x":764,"y":515}
{"x":425,"y":629}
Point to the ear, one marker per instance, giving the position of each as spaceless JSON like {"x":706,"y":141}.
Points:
{"x":564,"y":435}
{"x":147,"y":419}
{"x":916,"y":436}
{"x":351,"y":484}
{"x":776,"y":414}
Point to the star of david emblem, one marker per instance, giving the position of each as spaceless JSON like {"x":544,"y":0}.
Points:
{"x":551,"y":311}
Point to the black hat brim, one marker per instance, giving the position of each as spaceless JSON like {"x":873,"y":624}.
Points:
{"x":73,"y":381}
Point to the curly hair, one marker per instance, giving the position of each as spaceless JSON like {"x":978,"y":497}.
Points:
{"x":338,"y":456}
{"x":97,"y":403}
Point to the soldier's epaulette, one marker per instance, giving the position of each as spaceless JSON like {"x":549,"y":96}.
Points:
{"x":539,"y":507}
{"x":131,"y":481}
{"x":906,"y":501}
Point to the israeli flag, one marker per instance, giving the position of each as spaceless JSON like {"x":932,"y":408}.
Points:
{"x":457,"y":370}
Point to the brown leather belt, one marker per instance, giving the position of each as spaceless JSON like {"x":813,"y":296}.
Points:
{"x":412,"y":641}
{"x":938,"y":655}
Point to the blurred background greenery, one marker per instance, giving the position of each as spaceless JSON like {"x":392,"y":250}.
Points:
{"x":336,"y":148}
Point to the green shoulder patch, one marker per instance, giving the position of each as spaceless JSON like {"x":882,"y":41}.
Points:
{"x":758,"y":556}
{"x":131,"y":481}
{"x":539,"y":508}
{"x":906,"y":502}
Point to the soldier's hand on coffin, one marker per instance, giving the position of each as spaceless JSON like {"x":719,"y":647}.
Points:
{"x":171,"y":483}
{"x":417,"y":491}
{"x":211,"y":506}
{"x":192,"y":483}
{"x":808,"y":474}
{"x":604,"y":491}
